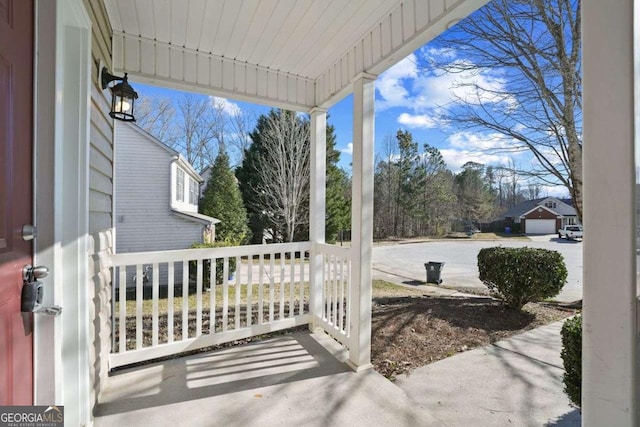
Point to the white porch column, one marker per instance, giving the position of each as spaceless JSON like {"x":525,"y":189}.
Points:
{"x":317,"y":202}
{"x":362,"y":221}
{"x":610,"y":333}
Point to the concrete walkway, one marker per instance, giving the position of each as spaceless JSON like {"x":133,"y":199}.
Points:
{"x":515,"y":382}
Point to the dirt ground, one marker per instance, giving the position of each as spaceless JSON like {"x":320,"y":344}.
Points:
{"x":409,"y":332}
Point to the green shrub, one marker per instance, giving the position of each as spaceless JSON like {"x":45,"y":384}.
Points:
{"x":520,"y":275}
{"x":572,"y":358}
{"x":206,"y":264}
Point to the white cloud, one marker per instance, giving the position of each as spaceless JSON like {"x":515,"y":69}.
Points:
{"x":469,"y":86}
{"x":418,"y":121}
{"x":480,"y":142}
{"x":405,"y":85}
{"x":229,"y":108}
{"x":442,"y":53}
{"x":348,"y":149}
{"x":455,"y":159}
{"x":391,"y":84}
{"x":554,"y":191}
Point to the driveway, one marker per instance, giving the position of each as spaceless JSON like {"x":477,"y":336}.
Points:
{"x":460,"y":258}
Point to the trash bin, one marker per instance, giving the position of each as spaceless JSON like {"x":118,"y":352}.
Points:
{"x":507,"y":230}
{"x":433,"y":272}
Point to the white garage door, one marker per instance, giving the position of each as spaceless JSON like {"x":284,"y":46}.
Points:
{"x":540,"y":226}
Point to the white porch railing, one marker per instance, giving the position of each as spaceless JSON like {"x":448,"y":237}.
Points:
{"x":334,"y":315}
{"x":172,"y":302}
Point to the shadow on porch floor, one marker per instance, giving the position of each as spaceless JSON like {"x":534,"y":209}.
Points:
{"x":298,"y":379}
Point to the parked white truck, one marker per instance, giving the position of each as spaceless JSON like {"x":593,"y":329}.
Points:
{"x":570,"y":232}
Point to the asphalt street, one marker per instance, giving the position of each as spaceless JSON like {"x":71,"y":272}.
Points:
{"x":460,"y":258}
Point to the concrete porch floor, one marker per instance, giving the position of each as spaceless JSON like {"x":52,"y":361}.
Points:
{"x":297,"y":379}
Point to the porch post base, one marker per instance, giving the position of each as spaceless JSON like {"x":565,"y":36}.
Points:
{"x":314,"y":328}
{"x":358,"y":368}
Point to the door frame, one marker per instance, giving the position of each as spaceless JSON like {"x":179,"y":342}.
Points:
{"x":62,"y":81}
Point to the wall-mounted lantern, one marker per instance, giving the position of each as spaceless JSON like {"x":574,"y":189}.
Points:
{"x":122,"y":96}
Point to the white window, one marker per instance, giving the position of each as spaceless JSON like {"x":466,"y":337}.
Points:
{"x":550,"y":205}
{"x":193,"y":192}
{"x":180,"y":185}
{"x":571,"y":220}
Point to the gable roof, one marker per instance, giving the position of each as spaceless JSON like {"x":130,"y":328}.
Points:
{"x":146,"y":135}
{"x":527,"y":206}
{"x":197,"y":217}
{"x":539,"y":207}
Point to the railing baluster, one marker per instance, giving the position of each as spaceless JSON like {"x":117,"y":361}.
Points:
{"x":334,"y":281}
{"x":261,"y":289}
{"x":139,"y":290}
{"x":302,"y":281}
{"x":238,"y":290}
{"x":212,"y":295}
{"x":225,"y":293}
{"x":123,"y":308}
{"x":327,"y":284}
{"x":292,"y":264}
{"x":249,"y":290}
{"x":282,"y":286}
{"x":341,"y":301}
{"x":155,"y":295}
{"x":170,"y":288}
{"x":323,"y":314}
{"x":199,"y":298}
{"x":185,"y":300}
{"x":272,"y":264}
{"x":348,"y":292}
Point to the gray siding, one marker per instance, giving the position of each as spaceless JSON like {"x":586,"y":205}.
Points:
{"x":144,"y":220}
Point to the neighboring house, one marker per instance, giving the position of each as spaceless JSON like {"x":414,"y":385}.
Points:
{"x":156,"y":195}
{"x":542,"y":216}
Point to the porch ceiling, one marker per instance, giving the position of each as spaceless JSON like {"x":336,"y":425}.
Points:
{"x":294,"y":54}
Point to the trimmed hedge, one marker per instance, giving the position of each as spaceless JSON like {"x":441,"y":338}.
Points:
{"x":572,"y":358}
{"x":206,"y":264}
{"x":521,"y":275}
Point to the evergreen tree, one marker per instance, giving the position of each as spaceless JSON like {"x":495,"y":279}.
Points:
{"x":248,"y":180}
{"x":338,"y":208}
{"x":222,"y":199}
{"x":475,"y":198}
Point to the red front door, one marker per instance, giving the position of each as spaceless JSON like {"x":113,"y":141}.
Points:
{"x":16,"y":195}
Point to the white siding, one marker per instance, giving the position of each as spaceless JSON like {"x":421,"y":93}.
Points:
{"x":143,"y":217}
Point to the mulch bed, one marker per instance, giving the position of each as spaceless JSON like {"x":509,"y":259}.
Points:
{"x":409,"y":332}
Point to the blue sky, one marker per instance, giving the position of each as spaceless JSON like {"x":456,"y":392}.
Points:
{"x":408,"y":97}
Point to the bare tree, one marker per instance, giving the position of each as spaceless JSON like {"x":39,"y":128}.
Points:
{"x":198,"y":127}
{"x":530,"y":51}
{"x":200,"y":130}
{"x":283,"y":172}
{"x":239,"y":128}
{"x":157,"y":116}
